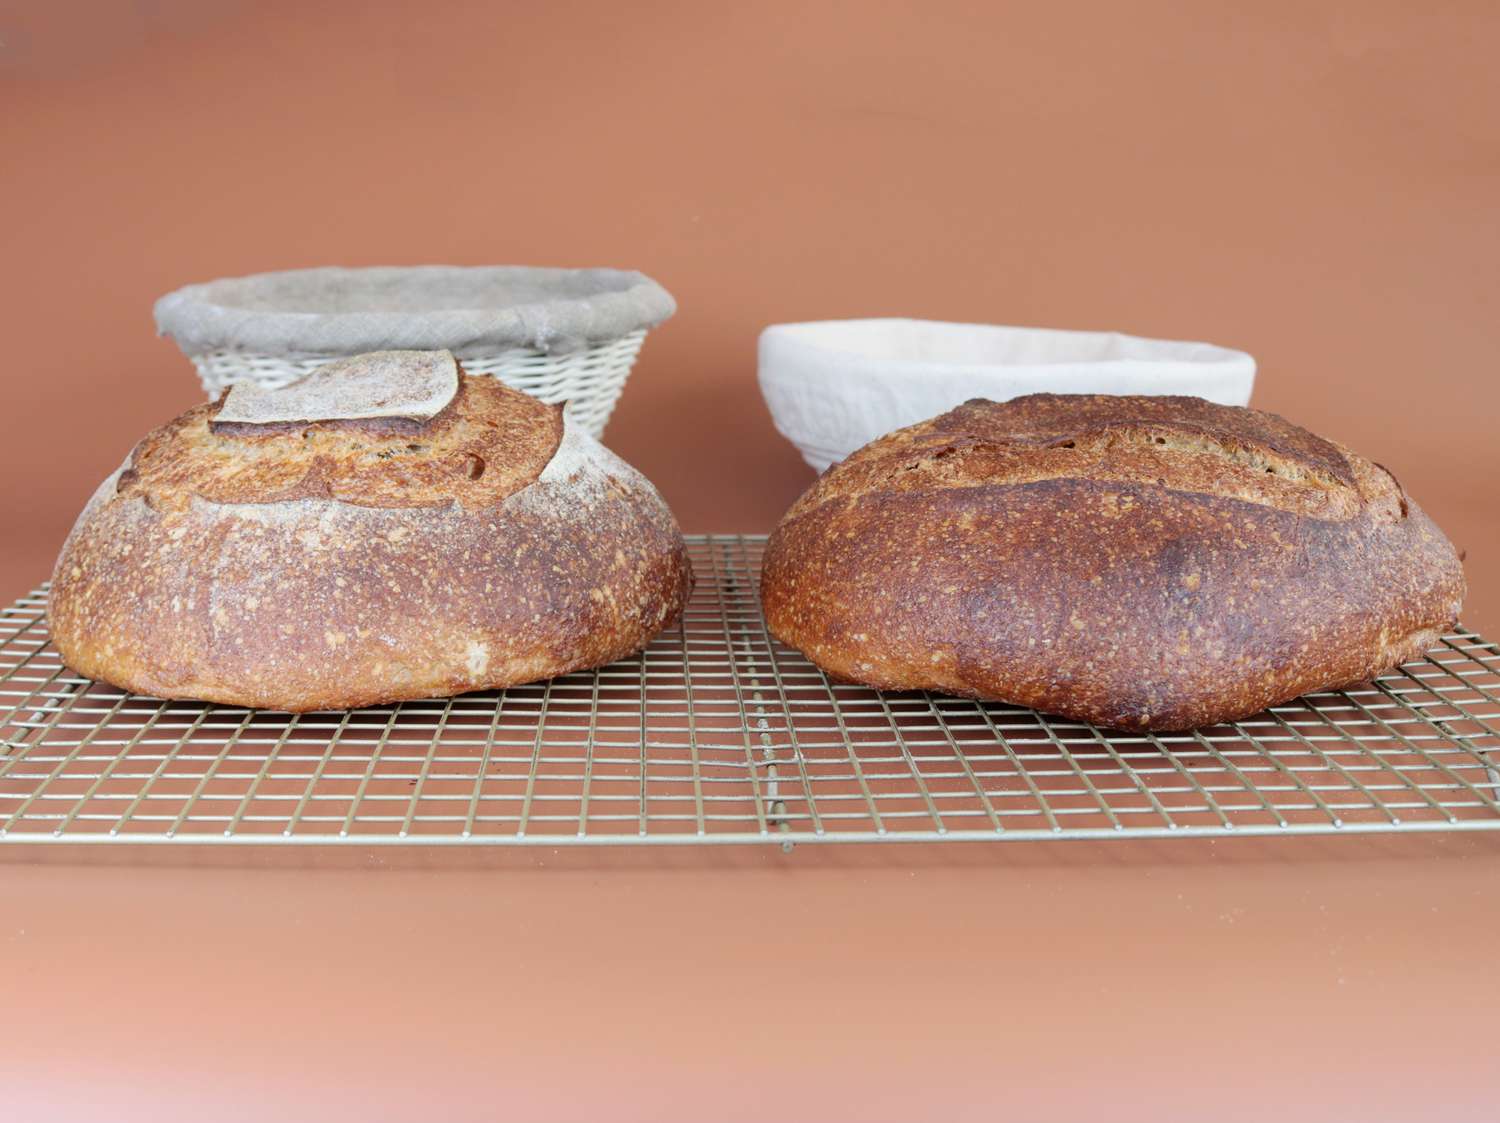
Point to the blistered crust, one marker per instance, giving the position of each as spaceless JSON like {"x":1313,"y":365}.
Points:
{"x":1129,"y":562}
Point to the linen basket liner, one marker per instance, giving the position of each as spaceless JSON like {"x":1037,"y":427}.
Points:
{"x":469,"y":310}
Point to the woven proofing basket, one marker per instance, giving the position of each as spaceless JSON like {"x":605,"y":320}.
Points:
{"x":561,"y":335}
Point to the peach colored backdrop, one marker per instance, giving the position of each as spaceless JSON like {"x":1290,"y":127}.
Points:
{"x":1313,"y":181}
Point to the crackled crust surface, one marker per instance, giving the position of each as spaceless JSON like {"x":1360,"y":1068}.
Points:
{"x":1143,"y":562}
{"x":348,"y":563}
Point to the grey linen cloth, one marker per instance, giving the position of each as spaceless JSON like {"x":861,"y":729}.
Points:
{"x":469,"y":310}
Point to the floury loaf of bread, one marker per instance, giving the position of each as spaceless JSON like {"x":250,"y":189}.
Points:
{"x":388,"y":528}
{"x":1135,"y":562}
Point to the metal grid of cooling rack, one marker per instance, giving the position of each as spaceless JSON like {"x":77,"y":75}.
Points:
{"x":718,"y":734}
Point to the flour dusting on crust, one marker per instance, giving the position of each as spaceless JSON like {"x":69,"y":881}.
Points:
{"x":416,"y":385}
{"x":581,"y":474}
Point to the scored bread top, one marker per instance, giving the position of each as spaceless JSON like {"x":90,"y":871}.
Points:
{"x":1183,"y":444}
{"x":350,"y":561}
{"x":488,"y":443}
{"x":1136,"y":562}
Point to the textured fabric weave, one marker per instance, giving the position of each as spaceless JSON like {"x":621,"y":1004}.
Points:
{"x":465,"y":309}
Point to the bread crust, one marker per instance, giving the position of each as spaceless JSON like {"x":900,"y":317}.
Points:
{"x":339,"y":565}
{"x":1134,"y":562}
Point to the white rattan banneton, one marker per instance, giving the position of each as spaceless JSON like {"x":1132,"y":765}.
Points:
{"x":718,"y":734}
{"x":589,"y":380}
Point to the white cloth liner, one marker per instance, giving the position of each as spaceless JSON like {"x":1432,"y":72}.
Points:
{"x":469,"y":310}
{"x":835,"y":385}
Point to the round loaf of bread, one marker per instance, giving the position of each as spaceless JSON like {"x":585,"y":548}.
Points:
{"x":1136,"y":562}
{"x":295,"y":551}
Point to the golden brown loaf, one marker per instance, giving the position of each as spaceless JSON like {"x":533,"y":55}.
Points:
{"x":1136,"y":562}
{"x":348,"y":561}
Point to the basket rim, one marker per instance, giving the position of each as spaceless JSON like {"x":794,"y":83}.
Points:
{"x":465,"y":309}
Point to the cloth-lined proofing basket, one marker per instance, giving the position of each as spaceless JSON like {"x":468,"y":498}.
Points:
{"x":561,"y":335}
{"x":833,"y":386}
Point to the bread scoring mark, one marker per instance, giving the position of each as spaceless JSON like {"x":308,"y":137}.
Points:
{"x":1401,"y":502}
{"x":410,"y":386}
{"x":582,"y":472}
{"x":1051,"y":417}
{"x":1158,"y":438}
{"x":320,"y":603}
{"x":1197,"y":609}
{"x":1091,"y":445}
{"x":488,"y":443}
{"x":1175,"y":444}
{"x":374,"y":426}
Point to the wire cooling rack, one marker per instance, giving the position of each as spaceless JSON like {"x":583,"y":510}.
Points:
{"x":719,"y":734}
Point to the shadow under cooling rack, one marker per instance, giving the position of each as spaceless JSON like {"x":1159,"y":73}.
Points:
{"x":719,"y":734}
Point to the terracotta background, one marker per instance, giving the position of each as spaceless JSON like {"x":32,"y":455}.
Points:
{"x":1314,"y":182}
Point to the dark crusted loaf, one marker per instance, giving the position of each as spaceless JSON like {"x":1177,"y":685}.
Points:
{"x":349,"y":562}
{"x":1136,"y":562}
